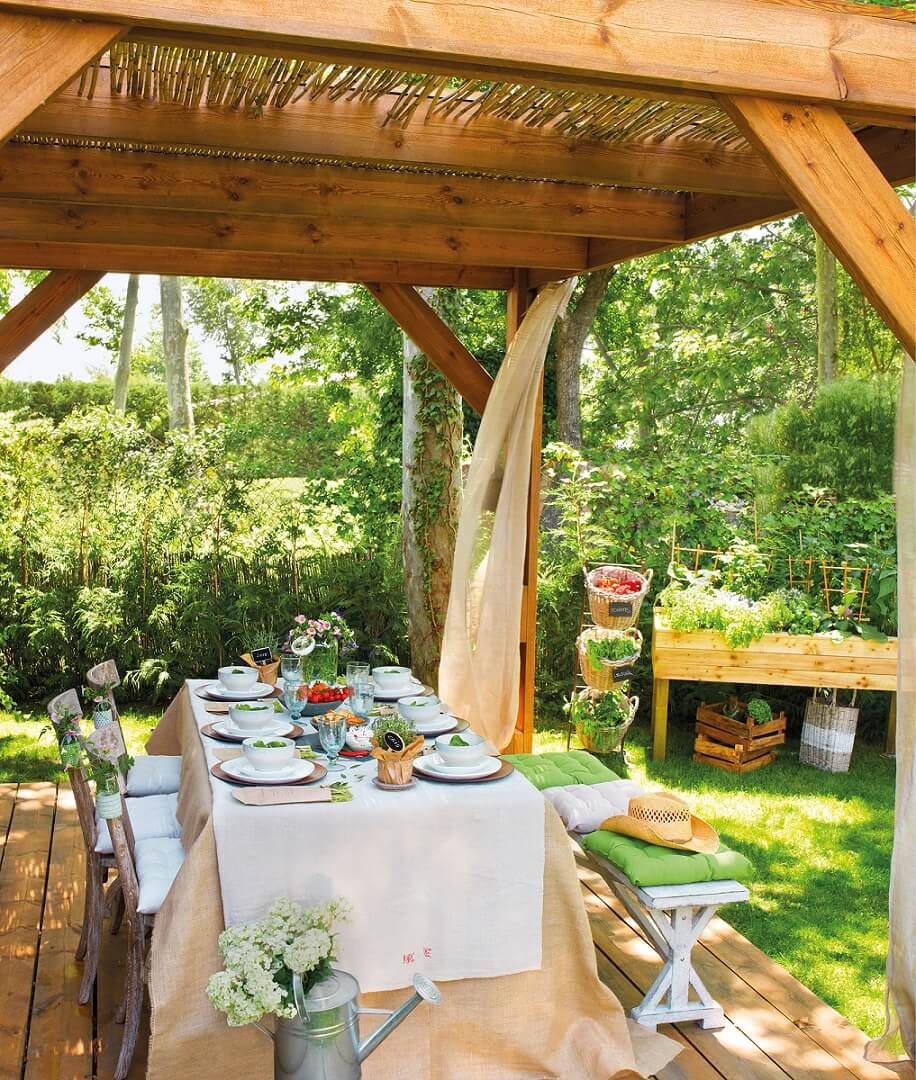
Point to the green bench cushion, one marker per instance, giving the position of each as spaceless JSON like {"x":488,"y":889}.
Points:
{"x":648,"y":864}
{"x":562,"y":767}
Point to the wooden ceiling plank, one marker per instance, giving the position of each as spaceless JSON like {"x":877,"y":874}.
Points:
{"x":357,"y":131}
{"x":26,"y":219}
{"x":38,"y":57}
{"x":845,"y":197}
{"x":436,"y":340}
{"x":827,"y":53}
{"x":40,"y":309}
{"x":207,"y":262}
{"x":334,"y":193}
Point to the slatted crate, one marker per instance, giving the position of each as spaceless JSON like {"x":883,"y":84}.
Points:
{"x":734,"y":745}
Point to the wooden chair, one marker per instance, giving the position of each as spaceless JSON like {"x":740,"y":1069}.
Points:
{"x":146,"y":869}
{"x":157,"y":774}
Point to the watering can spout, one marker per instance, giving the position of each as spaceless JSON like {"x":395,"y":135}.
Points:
{"x":424,"y":990}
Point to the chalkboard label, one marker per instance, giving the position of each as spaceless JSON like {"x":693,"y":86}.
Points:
{"x":263,"y":656}
{"x":618,"y":607}
{"x":621,"y":674}
{"x":394,"y":742}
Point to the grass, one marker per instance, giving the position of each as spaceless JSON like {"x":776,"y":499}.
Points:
{"x":821,"y":845}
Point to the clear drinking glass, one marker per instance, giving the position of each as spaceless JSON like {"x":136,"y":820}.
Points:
{"x":332,"y":734}
{"x":291,"y":667}
{"x":357,"y":672}
{"x":294,"y":704}
{"x":362,"y":697}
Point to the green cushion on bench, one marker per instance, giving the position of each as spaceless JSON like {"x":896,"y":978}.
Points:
{"x":562,"y":767}
{"x":648,"y":864}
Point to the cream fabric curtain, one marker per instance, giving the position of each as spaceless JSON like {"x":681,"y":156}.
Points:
{"x":480,"y":667}
{"x":899,"y":1040}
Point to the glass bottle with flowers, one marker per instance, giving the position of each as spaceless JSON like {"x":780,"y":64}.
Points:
{"x":329,"y":637}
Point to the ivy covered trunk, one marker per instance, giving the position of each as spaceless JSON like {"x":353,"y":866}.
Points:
{"x":430,"y":497}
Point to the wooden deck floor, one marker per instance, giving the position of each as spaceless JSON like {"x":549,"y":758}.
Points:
{"x":776,"y":1027}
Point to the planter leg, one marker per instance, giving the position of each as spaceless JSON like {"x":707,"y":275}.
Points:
{"x":659,"y":718}
{"x":890,"y":742}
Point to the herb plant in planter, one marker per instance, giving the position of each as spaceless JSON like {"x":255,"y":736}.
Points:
{"x":601,"y":718}
{"x":395,"y":745}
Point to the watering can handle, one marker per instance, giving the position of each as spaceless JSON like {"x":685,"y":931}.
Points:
{"x":299,"y":997}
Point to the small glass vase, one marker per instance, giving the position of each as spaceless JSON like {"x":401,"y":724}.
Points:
{"x":321,"y":663}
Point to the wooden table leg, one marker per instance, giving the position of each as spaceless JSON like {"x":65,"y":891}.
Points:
{"x":890,"y":742}
{"x":659,"y":718}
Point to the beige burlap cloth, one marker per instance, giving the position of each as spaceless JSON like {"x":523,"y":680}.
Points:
{"x":558,"y":1022}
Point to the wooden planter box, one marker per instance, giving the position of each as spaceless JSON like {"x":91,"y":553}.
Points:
{"x":734,"y":745}
{"x":774,"y":660}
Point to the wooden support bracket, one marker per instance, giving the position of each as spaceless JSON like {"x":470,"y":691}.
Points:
{"x":41,"y":308}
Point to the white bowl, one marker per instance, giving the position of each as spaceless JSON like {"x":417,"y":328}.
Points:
{"x":251,"y":715}
{"x":359,"y":737}
{"x":238,"y":678}
{"x":420,"y":709}
{"x":269,"y":758}
{"x":390,"y":677}
{"x":475,"y":751}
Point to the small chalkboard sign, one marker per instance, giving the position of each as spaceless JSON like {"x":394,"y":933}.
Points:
{"x":620,"y":607}
{"x":263,"y":656}
{"x":394,"y":742}
{"x":621,"y":674}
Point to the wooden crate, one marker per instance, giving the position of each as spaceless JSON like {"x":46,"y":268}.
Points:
{"x":733,"y":745}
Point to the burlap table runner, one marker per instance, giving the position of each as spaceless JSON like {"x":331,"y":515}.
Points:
{"x":560,"y":1022}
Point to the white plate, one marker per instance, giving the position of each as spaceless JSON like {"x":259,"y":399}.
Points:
{"x":443,"y":723}
{"x":217,"y":690}
{"x":403,"y":690}
{"x":435,"y":766}
{"x":277,"y":729}
{"x":241,"y":770}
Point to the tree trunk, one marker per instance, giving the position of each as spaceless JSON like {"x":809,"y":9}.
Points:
{"x":430,"y":498}
{"x":122,"y":373}
{"x":572,"y":331}
{"x":827,"y":316}
{"x":174,"y":347}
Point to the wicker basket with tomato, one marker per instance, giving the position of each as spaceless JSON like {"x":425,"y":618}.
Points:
{"x":615,"y":595}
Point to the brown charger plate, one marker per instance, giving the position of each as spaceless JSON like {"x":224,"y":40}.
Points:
{"x":212,"y":733}
{"x":318,"y":773}
{"x":503,"y":771}
{"x":201,"y":692}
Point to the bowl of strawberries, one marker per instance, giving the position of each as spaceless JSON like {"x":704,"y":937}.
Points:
{"x":321,"y":697}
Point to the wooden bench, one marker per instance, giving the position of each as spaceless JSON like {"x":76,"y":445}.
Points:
{"x":672,"y":917}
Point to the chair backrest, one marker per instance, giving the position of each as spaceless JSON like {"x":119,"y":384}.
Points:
{"x":106,"y":674}
{"x":68,"y":703}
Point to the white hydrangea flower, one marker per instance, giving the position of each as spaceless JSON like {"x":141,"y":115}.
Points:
{"x":307,"y":951}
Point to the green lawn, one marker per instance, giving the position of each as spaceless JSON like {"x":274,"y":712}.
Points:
{"x":821,"y":843}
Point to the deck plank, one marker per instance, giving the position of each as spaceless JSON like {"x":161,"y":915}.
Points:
{"x":22,"y":892}
{"x":7,"y":802}
{"x":60,"y":1034}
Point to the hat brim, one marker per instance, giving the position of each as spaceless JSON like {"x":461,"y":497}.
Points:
{"x":704,"y":839}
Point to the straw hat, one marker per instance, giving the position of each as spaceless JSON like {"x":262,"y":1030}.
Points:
{"x":664,"y":819}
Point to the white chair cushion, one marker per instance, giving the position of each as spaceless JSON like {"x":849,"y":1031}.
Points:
{"x":154,"y":775}
{"x":158,"y":861}
{"x":583,"y":807}
{"x":152,"y":816}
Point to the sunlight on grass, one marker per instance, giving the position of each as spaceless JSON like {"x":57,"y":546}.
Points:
{"x":821,"y":845}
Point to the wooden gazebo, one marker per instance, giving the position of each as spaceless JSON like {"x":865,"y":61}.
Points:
{"x":445,"y":143}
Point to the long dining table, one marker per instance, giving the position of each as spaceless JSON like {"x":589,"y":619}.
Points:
{"x":550,"y":1017}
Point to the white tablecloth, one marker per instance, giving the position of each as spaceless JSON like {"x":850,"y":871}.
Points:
{"x":445,"y":879}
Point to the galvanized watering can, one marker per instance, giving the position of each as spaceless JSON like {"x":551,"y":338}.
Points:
{"x":322,"y":1042}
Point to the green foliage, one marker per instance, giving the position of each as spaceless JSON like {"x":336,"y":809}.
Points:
{"x":394,"y":724}
{"x":759,"y":711}
{"x":619,"y":648}
{"x":699,"y":607}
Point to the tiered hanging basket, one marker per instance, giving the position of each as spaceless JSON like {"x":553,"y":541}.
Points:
{"x":609,"y":674}
{"x":828,"y":734}
{"x":616,"y":612}
{"x":608,"y":740}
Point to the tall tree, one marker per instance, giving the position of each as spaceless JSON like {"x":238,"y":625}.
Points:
{"x":126,"y":344}
{"x":432,"y":438}
{"x":827,"y":313}
{"x":572,"y":331}
{"x":226,"y":309}
{"x":174,"y":345}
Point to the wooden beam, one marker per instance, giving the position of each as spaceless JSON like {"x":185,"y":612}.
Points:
{"x":435,"y":339}
{"x":844,"y":195}
{"x":828,"y":53}
{"x":26,"y":219}
{"x":333,"y":193}
{"x":41,"y":309}
{"x":357,"y":131}
{"x":206,"y":262}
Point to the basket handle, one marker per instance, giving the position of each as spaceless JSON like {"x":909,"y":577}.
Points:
{"x":634,"y":706}
{"x":648,"y":576}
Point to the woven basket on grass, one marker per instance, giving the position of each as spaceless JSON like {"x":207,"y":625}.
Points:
{"x":616,"y":612}
{"x":609,"y":674}
{"x":607,"y":740}
{"x":828,"y":734}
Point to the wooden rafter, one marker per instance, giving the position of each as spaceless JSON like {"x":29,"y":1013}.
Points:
{"x":828,"y":53}
{"x":357,"y":131}
{"x":846,"y":198}
{"x":38,"y":57}
{"x":436,"y":340}
{"x":333,"y":193}
{"x":40,"y":309}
